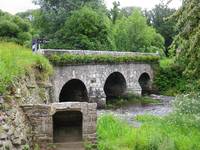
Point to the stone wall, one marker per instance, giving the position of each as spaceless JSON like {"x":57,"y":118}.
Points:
{"x":15,"y":129}
{"x":41,"y":120}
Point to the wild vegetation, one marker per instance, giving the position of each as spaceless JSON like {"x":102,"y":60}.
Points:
{"x":177,"y":131}
{"x":68,"y":59}
{"x":16,"y":60}
{"x":184,"y":70}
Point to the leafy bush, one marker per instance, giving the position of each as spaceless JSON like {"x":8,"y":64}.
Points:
{"x":16,"y":60}
{"x":171,"y":80}
{"x":108,"y":59}
{"x":8,"y":29}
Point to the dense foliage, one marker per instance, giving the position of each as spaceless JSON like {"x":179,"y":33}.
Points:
{"x":85,"y":29}
{"x":182,"y":75}
{"x":133,"y":34}
{"x":158,"y":17}
{"x":13,"y":28}
{"x":68,"y":59}
{"x":188,"y":39}
{"x":33,"y":17}
{"x":169,"y":79}
{"x":16,"y":60}
{"x":89,"y":25}
{"x":54,"y":14}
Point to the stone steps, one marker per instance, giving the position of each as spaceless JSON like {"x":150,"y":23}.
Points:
{"x":70,"y":146}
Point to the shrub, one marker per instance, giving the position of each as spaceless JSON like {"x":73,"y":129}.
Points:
{"x":187,"y":104}
{"x":170,"y":79}
{"x":8,"y":29}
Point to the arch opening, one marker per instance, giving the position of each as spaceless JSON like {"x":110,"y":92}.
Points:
{"x":67,"y":126}
{"x":115,"y":86}
{"x":144,"y":82}
{"x":74,"y":90}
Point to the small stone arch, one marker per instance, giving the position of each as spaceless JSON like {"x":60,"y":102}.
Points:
{"x":115,"y":85}
{"x":145,"y":83}
{"x":74,"y":90}
{"x":67,"y":126}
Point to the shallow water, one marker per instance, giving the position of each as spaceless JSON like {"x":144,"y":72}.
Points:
{"x":128,"y":113}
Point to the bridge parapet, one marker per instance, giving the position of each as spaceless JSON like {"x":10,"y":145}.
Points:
{"x":92,"y":52}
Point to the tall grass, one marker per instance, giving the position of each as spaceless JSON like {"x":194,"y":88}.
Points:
{"x":16,"y":60}
{"x":155,"y":134}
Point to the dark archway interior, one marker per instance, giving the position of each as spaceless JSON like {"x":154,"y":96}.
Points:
{"x":67,"y":126}
{"x":115,"y":86}
{"x":74,"y":90}
{"x":144,"y":82}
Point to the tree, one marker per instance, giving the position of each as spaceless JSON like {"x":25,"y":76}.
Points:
{"x":158,"y":18}
{"x":13,"y":28}
{"x":34,"y":17}
{"x":188,"y":38}
{"x":54,"y":13}
{"x":85,"y":29}
{"x":115,"y":11}
{"x":133,"y":34}
{"x":127,"y":11}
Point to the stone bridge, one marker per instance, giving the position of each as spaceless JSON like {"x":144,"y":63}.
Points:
{"x":98,"y":82}
{"x":70,"y":115}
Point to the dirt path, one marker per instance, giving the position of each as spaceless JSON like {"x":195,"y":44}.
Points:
{"x":128,"y":113}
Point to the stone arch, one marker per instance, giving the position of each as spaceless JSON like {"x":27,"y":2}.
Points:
{"x":145,"y":83}
{"x":74,"y":90}
{"x":67,"y":126}
{"x":115,"y":85}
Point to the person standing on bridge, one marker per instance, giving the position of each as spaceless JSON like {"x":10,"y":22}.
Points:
{"x":34,"y":45}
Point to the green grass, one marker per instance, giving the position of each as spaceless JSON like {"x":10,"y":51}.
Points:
{"x":16,"y":60}
{"x":130,"y":100}
{"x":155,"y":134}
{"x":68,"y":59}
